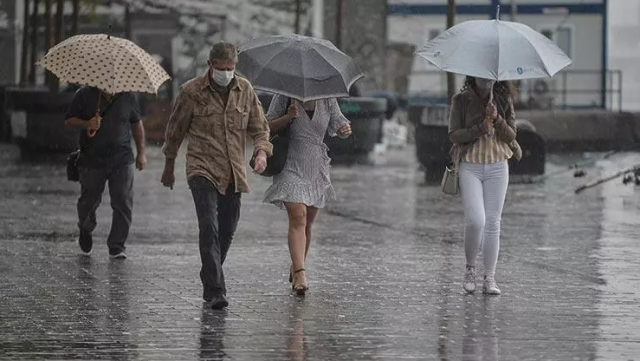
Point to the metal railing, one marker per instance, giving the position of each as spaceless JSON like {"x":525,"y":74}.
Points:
{"x":570,"y":89}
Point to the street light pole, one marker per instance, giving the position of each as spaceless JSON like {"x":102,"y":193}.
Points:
{"x":451,"y":79}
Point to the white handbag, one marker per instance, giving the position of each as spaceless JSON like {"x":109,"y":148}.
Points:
{"x":450,"y":180}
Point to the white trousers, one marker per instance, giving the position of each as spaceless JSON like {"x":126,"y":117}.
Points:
{"x":483,"y":188}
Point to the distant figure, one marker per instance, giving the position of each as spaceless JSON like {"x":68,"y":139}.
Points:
{"x":216,"y":166}
{"x":106,"y":157}
{"x":167,"y":65}
{"x":303,"y":186}
{"x":483,"y":140}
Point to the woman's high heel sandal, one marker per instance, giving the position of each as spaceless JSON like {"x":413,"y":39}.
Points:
{"x":300,"y":289}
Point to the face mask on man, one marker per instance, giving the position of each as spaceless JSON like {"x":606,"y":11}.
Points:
{"x":484,"y":83}
{"x":222,"y":77}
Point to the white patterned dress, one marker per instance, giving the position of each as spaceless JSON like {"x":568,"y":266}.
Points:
{"x":305,"y":176}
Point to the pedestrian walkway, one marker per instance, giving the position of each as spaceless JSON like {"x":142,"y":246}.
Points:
{"x":385,"y":272}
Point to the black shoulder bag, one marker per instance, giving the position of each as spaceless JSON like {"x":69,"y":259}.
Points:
{"x":280,"y":142}
{"x":73,"y":174}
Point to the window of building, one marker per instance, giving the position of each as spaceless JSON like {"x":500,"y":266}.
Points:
{"x":561,"y":36}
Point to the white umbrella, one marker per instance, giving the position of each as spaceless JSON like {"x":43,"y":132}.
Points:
{"x":494,"y":49}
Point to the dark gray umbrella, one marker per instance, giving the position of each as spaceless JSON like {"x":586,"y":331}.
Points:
{"x":300,"y":67}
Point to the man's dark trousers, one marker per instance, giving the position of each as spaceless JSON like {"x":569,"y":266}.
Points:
{"x":92,"y":183}
{"x":218,"y":217}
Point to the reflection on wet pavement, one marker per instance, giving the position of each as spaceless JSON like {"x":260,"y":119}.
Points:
{"x":385,"y":271}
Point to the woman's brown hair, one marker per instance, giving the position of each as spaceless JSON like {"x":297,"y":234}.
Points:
{"x":503,"y":88}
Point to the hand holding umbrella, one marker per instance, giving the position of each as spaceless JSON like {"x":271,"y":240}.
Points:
{"x":491,"y":113}
{"x":93,"y":125}
{"x":293,"y":111}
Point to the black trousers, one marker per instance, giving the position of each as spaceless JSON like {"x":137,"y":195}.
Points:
{"x":92,"y":183}
{"x":218,"y":217}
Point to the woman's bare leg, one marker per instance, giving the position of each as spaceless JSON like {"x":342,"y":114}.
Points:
{"x":312,"y":213}
{"x":297,"y":241}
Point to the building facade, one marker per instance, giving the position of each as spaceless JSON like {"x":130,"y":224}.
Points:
{"x":578,"y":27}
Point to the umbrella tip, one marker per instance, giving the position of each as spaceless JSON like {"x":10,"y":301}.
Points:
{"x":109,"y":35}
{"x":498,"y":12}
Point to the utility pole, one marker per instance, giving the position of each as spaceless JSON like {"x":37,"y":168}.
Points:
{"x":59,"y":33}
{"x":451,"y":78}
{"x":24,"y":52}
{"x":298,"y":10}
{"x":514,"y":10}
{"x":48,"y":33}
{"x":339,"y":8}
{"x":75,"y":17}
{"x":127,"y":22}
{"x":34,"y":42}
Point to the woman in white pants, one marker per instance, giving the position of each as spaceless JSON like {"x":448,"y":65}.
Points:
{"x":483,"y":134}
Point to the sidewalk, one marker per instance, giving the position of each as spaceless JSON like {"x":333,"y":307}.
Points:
{"x":385,"y":271}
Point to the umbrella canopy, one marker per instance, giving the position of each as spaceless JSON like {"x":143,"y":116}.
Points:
{"x":111,"y":64}
{"x":494,"y":49}
{"x":299,"y":67}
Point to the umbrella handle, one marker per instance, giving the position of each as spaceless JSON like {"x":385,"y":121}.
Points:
{"x":91,"y":132}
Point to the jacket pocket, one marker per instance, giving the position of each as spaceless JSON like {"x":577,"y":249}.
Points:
{"x":240,"y":116}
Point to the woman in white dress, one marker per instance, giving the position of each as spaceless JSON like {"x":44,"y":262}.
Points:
{"x":303,"y":186}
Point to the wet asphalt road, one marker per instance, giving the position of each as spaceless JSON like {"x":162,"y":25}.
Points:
{"x":385,"y":272}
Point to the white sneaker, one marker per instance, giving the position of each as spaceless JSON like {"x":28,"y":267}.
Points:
{"x":490,"y":287}
{"x":470,"y":280}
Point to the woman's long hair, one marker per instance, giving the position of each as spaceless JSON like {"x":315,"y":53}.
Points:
{"x":502,"y":88}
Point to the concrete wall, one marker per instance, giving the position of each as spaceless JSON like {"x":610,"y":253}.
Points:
{"x":586,"y":130}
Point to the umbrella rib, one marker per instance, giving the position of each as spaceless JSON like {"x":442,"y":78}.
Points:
{"x":304,"y":73}
{"x":524,"y":35}
{"x":348,"y":82}
{"x":268,"y":62}
{"x":334,"y":67}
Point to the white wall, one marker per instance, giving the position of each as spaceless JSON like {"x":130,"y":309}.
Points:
{"x":624,"y":48}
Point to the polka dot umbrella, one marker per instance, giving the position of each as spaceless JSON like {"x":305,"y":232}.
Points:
{"x":112,"y":64}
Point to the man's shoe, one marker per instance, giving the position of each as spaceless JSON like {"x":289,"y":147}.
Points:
{"x":219,"y":302}
{"x":116,"y":254}
{"x":86,"y":242}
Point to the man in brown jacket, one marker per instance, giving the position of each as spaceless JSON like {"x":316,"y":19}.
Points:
{"x":215,"y":112}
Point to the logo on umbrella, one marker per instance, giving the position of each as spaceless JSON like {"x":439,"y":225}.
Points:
{"x":436,"y":54}
{"x":520,"y":71}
